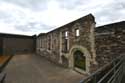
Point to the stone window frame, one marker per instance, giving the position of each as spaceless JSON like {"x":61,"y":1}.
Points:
{"x":77,"y":32}
{"x":76,"y":26}
{"x":65,"y":36}
{"x":49,"y":42}
{"x":40,"y":42}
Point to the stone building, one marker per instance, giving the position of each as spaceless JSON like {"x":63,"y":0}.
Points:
{"x":81,"y":46}
{"x":71,"y":45}
{"x":78,"y":45}
{"x":12,"y":43}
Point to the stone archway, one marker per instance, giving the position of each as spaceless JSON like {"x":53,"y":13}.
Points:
{"x":84,"y":53}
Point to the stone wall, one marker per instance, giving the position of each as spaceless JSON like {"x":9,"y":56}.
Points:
{"x":58,"y":45}
{"x":99,"y":45}
{"x":110,"y":42}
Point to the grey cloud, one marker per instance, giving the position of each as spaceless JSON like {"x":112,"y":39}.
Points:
{"x":13,"y":16}
{"x":32,"y":26}
{"x":103,"y":13}
{"x":4,"y":15}
{"x":33,"y":4}
{"x":7,"y":17}
{"x":70,"y":4}
{"x":123,"y":5}
{"x":112,"y":12}
{"x":17,"y":17}
{"x":42,"y":4}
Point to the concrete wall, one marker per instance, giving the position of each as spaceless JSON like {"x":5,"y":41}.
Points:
{"x":12,"y":44}
{"x":17,"y":45}
{"x":110,"y":42}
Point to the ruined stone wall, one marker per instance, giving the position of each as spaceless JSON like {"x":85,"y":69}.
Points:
{"x":110,"y":42}
{"x":55,"y":46}
{"x":100,"y":45}
{"x":48,"y":46}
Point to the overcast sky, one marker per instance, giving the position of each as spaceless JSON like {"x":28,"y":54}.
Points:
{"x":35,"y":16}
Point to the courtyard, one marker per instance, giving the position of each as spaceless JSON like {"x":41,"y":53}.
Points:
{"x":31,"y":68}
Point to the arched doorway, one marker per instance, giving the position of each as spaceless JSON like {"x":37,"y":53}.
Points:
{"x":79,"y":60}
{"x":83,"y":53}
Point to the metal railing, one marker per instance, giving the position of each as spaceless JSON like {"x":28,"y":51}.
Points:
{"x":109,"y":73}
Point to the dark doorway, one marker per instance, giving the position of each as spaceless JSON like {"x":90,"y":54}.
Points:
{"x":79,"y":60}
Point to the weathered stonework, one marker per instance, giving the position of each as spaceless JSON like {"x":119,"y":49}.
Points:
{"x":110,"y":42}
{"x":60,"y":49}
{"x":77,"y":45}
{"x":98,"y":45}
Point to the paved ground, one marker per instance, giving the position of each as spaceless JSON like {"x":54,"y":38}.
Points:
{"x":123,"y":79}
{"x":35,"y":69}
